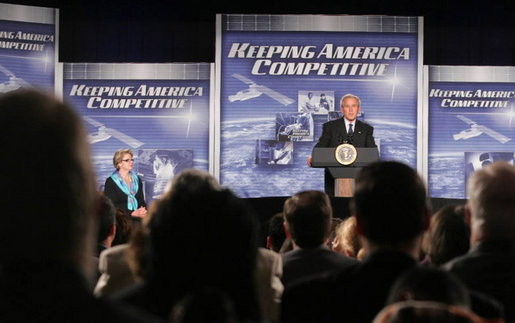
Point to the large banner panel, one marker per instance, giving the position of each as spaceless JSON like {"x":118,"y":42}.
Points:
{"x":282,"y":76}
{"x":27,"y":47}
{"x":162,"y":112}
{"x":471,"y":123}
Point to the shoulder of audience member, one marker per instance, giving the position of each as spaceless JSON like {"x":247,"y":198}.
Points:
{"x":455,"y":263}
{"x":130,"y":314}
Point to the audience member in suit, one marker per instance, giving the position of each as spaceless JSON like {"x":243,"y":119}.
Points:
{"x":336,"y":132}
{"x":391,"y":212}
{"x":276,"y":234}
{"x":199,"y":236}
{"x":346,"y":239}
{"x":50,"y":227}
{"x":489,"y":265}
{"x":308,"y":216}
{"x":448,"y":235}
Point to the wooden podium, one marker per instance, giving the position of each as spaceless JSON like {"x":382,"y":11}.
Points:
{"x":344,"y":175}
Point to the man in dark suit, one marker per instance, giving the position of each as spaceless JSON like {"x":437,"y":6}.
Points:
{"x":308,"y":217}
{"x":347,"y":129}
{"x":392,"y":215}
{"x":489,"y":265}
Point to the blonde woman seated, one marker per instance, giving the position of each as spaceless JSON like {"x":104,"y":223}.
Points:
{"x":346,"y":239}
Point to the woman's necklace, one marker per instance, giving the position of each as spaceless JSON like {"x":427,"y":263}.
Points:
{"x":127,"y":178}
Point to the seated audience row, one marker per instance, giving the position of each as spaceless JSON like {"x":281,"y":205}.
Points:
{"x":392,"y":216}
{"x":195,"y":257}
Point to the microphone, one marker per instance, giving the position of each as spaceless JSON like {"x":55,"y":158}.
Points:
{"x":345,"y":140}
{"x":349,"y":139}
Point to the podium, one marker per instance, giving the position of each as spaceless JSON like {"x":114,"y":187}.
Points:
{"x":323,"y":157}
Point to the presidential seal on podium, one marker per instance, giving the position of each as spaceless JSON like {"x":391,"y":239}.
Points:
{"x":346,"y":154}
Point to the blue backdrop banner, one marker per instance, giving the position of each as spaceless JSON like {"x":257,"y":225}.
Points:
{"x":159,"y":111}
{"x":27,"y":47}
{"x":282,"y":77}
{"x":471,"y":123}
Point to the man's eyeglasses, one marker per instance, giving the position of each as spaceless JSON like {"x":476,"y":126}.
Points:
{"x":128,"y":160}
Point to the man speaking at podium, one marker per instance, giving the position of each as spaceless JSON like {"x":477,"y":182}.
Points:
{"x":345,"y":130}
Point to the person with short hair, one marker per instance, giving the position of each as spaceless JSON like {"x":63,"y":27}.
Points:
{"x":488,"y":267}
{"x":307,"y":220}
{"x":124,"y":187}
{"x":346,"y":129}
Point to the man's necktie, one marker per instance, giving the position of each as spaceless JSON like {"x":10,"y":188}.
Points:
{"x":351,"y":132}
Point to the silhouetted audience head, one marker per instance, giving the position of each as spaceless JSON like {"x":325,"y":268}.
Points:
{"x":428,"y":312}
{"x":47,"y":166}
{"x":207,"y":305}
{"x":202,"y":236}
{"x":424,"y":283}
{"x":390,"y":203}
{"x":491,"y":202}
{"x":48,"y":240}
{"x":276,"y":234}
{"x":308,"y":217}
{"x":448,"y":235}
{"x":429,"y":283}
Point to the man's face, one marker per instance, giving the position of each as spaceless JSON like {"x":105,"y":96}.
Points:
{"x":350,"y":108}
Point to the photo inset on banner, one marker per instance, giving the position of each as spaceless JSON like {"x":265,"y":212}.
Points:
{"x":333,"y":115}
{"x":475,"y":129}
{"x":9,"y":81}
{"x":294,"y":126}
{"x":255,"y":90}
{"x":316,"y":102}
{"x":274,"y":152}
{"x":157,"y":166}
{"x":102,"y":133}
